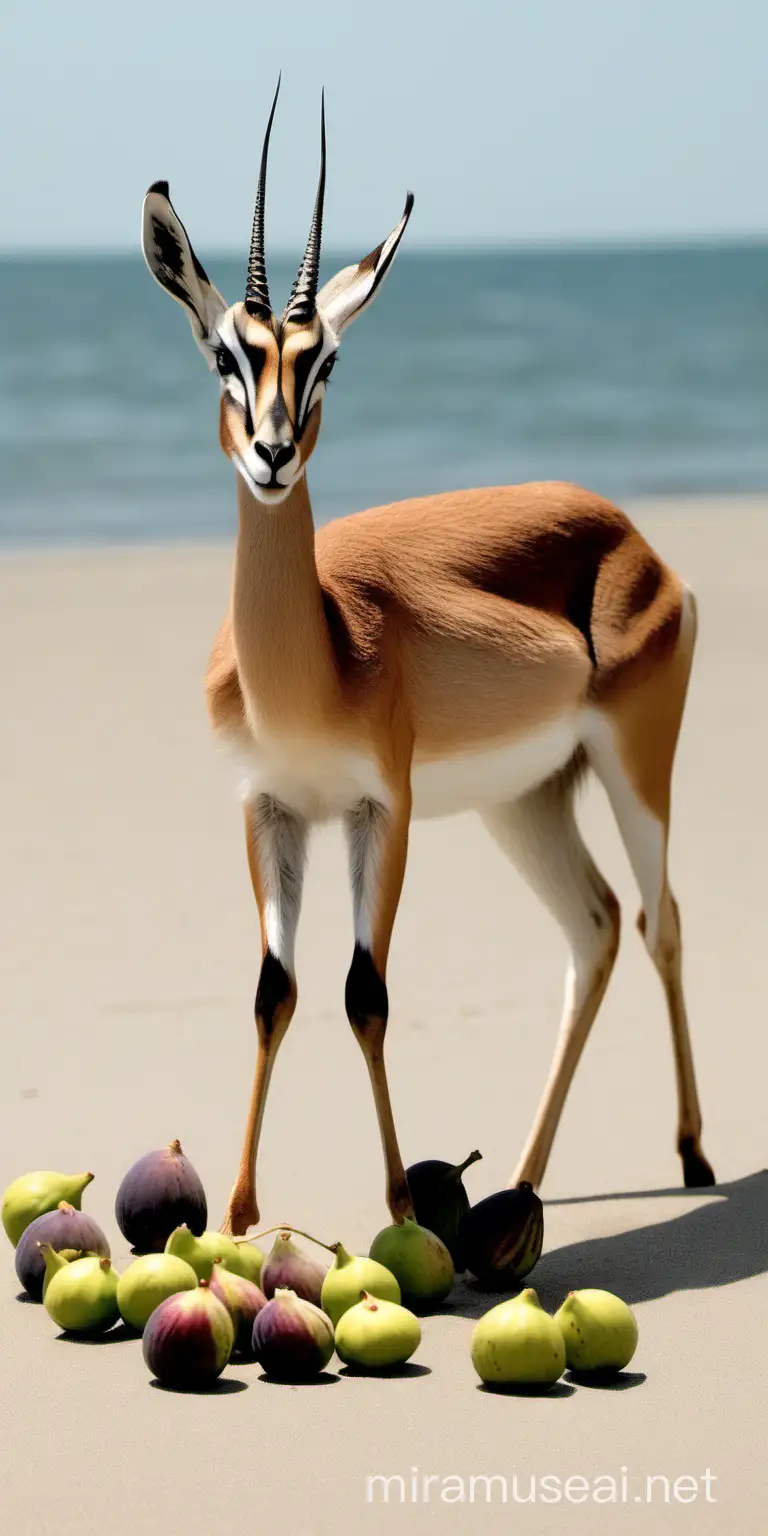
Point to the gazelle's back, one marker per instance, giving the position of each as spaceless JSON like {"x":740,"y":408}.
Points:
{"x":505,"y":602}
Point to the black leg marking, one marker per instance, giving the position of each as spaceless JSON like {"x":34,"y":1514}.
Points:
{"x":365,"y":995}
{"x":275,"y":987}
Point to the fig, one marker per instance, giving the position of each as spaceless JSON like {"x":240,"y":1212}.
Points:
{"x":159,"y":1192}
{"x":72,"y":1233}
{"x":53,"y":1262}
{"x":189,"y":1338}
{"x":348,"y":1277}
{"x":243,"y":1301}
{"x":286,"y":1268}
{"x":201,"y":1251}
{"x":376,"y":1334}
{"x":148,"y":1281}
{"x":419,"y":1261}
{"x":440,"y":1201}
{"x":292,"y":1338}
{"x":503,"y":1235}
{"x":35,"y":1193}
{"x":82,"y":1297}
{"x":251,"y":1262}
{"x":599,"y":1331}
{"x":518,"y":1343}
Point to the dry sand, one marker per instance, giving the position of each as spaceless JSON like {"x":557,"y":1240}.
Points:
{"x":128,"y":966}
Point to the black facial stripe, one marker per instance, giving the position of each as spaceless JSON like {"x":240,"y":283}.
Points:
{"x":302,"y":369}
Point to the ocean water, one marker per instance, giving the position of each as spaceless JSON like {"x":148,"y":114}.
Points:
{"x":637,"y":372}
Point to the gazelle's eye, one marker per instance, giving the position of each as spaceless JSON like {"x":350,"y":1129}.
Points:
{"x":325,"y":372}
{"x":224,"y":361}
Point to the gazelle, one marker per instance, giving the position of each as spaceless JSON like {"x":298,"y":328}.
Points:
{"x":471,"y":649}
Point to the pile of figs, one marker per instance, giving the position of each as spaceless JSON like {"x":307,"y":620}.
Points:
{"x":199,"y":1298}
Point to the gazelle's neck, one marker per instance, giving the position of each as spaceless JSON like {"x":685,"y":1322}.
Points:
{"x":282,"y":644}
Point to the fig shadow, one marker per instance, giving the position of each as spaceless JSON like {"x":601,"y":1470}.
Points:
{"x":510,"y":1389}
{"x":322,"y":1379}
{"x":117,"y":1335}
{"x":223,"y":1386}
{"x":607,"y":1381}
{"x":394,"y":1372}
{"x":27,"y":1300}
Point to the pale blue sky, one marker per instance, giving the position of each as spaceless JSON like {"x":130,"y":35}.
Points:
{"x":525,"y":121}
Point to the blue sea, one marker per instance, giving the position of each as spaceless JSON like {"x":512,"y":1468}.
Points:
{"x":636,"y":372}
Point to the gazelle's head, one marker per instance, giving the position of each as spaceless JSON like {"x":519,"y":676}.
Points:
{"x":273,"y":371}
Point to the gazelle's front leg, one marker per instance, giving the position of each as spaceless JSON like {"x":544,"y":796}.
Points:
{"x":276,"y":841}
{"x":378,"y":846}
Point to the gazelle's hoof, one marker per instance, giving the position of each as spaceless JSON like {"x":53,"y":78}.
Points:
{"x":697,"y":1173}
{"x":242,"y":1213}
{"x":399,"y":1202}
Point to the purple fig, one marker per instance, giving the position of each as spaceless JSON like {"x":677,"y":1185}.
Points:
{"x":243,"y":1301}
{"x":288,"y":1269}
{"x":72,"y":1233}
{"x":189,"y":1338}
{"x":292,"y":1338}
{"x":159,"y":1193}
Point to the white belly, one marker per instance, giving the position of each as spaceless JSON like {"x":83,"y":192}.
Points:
{"x":320,"y":781}
{"x":493,"y":775}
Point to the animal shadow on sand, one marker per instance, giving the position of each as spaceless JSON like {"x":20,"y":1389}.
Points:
{"x":725,"y":1239}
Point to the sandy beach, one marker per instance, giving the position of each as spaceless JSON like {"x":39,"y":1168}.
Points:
{"x":127,"y":970}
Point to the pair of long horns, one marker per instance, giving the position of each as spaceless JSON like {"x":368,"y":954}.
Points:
{"x":301,"y":304}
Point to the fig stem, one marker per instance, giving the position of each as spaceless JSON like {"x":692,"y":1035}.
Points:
{"x":285,"y":1226}
{"x":474,"y":1157}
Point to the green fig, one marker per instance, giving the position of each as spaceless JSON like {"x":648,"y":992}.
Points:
{"x":599,"y":1331}
{"x":503,"y":1236}
{"x":420,"y":1263}
{"x":53,"y":1263}
{"x":251,"y":1262}
{"x":35,"y":1193}
{"x":348,"y":1277}
{"x":148,"y":1281}
{"x":201,"y":1251}
{"x":518,"y":1343}
{"x":82,"y":1297}
{"x":440,"y":1201}
{"x":376,"y":1333}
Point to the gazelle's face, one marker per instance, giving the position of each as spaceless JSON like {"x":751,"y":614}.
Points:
{"x":273,"y":372}
{"x":273,"y":378}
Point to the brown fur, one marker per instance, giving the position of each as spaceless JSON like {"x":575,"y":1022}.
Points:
{"x":477,"y":615}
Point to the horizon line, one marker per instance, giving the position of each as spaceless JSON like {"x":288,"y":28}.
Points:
{"x":550,"y":245}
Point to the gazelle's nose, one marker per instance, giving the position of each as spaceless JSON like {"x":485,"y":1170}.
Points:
{"x":275,"y":454}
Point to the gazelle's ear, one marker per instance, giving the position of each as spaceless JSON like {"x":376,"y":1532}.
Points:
{"x":351,"y":290}
{"x":174,"y":265}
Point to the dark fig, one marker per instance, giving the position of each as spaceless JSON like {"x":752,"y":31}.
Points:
{"x":160,"y":1192}
{"x":503,"y":1236}
{"x":189,"y":1338}
{"x":292,"y":1338}
{"x":72,"y":1233}
{"x":288,"y":1269}
{"x":243,"y":1301}
{"x":440,"y":1201}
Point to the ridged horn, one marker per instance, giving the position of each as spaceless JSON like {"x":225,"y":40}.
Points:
{"x":257,"y":300}
{"x":301,"y":304}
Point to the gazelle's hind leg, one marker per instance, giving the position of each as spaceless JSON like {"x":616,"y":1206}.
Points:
{"x":640,"y":802}
{"x":630,"y":741}
{"x":540,"y":835}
